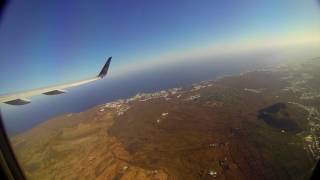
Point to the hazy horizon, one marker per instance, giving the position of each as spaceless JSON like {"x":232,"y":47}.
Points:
{"x":43,"y":44}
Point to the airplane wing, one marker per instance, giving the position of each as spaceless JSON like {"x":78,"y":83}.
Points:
{"x":24,"y":97}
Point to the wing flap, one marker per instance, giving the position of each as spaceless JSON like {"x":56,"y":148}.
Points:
{"x":55,"y":92}
{"x":19,"y":101}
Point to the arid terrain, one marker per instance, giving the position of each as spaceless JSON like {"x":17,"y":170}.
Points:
{"x":257,"y":125}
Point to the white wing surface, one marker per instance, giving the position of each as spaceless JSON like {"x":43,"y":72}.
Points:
{"x":24,"y":97}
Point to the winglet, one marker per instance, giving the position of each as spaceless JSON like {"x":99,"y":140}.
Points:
{"x":105,"y":68}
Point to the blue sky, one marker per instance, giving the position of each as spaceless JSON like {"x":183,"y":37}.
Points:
{"x":49,"y":42}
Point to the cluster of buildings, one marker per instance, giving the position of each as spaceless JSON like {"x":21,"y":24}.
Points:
{"x":296,"y":85}
{"x":198,"y":87}
{"x":149,"y":96}
{"x":300,"y":85}
{"x":202,"y":84}
{"x":310,"y":95}
{"x":120,"y":106}
{"x":212,"y":173}
{"x":253,"y":90}
{"x":313,"y":138}
{"x":314,"y":149}
{"x":194,"y":97}
{"x":163,"y":115}
{"x":114,"y":104}
{"x":160,"y":94}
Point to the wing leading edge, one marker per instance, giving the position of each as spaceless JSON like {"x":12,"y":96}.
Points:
{"x":22,"y":97}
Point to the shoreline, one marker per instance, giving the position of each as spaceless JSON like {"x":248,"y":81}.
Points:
{"x":155,"y":94}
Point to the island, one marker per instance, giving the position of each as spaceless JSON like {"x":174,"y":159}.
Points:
{"x":258,"y":124}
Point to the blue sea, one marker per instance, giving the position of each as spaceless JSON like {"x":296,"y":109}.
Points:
{"x":180,"y":74}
